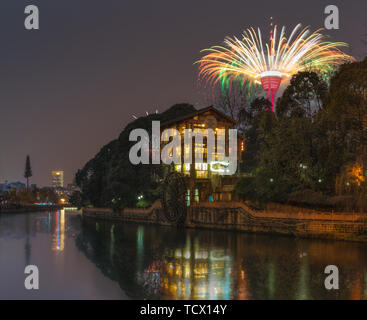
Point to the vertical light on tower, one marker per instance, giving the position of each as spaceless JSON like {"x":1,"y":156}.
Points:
{"x":270,"y":81}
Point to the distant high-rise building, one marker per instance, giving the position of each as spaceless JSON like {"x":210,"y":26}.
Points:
{"x":58,"y":179}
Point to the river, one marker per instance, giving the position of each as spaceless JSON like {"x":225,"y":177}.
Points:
{"x":88,"y":259}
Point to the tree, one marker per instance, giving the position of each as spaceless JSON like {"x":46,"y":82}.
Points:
{"x":283,"y":150}
{"x":111,"y":180}
{"x":28,"y":170}
{"x":47,"y":195}
{"x":250,"y":119}
{"x":233,"y":98}
{"x":307,"y":91}
{"x":76,"y":199}
{"x":345,"y":118}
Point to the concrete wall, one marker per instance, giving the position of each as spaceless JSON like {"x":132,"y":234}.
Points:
{"x":237,"y":216}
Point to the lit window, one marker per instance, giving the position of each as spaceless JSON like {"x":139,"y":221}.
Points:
{"x":196,"y":197}
{"x":201,"y":170}
{"x":186,"y":168}
{"x":188,"y":197}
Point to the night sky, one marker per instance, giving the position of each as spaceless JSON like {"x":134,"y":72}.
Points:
{"x":71,"y":87}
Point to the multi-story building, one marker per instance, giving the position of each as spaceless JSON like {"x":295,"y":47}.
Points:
{"x":57,"y":179}
{"x":205,"y":180}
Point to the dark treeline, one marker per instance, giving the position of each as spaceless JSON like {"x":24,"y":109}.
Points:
{"x":14,"y":197}
{"x":313,"y":151}
{"x":110,"y":180}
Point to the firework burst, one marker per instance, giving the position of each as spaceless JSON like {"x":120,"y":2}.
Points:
{"x":252,"y":61}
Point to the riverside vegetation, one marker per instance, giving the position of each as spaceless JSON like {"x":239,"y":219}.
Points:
{"x":311,"y":152}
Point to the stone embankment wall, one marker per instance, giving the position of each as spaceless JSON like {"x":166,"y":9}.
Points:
{"x":237,"y":216}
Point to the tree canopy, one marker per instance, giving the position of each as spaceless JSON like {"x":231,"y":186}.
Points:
{"x":315,"y":144}
{"x":312,"y":151}
{"x":110,"y":180}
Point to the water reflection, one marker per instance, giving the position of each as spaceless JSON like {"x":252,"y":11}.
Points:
{"x":192,"y":272}
{"x":47,"y":240}
{"x":97,"y":259}
{"x":167,"y":263}
{"x":58,"y":241}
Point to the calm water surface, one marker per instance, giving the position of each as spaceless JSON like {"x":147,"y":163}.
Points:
{"x":105,"y":260}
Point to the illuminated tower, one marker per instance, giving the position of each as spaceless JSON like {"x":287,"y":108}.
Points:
{"x":270,"y":80}
{"x":58,"y":179}
{"x":253,"y":61}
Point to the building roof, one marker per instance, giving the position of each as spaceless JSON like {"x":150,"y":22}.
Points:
{"x":198,"y":112}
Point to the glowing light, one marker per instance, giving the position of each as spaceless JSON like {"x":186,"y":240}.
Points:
{"x":249,"y":59}
{"x":59,"y":236}
{"x":270,"y":74}
{"x":356,"y":173}
{"x":242,"y":145}
{"x":219,"y":166}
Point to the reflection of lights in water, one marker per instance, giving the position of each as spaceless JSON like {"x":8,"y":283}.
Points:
{"x":140,"y":249}
{"x":112,"y":243}
{"x":187,"y":249}
{"x":140,"y":237}
{"x":194,"y":273}
{"x":302,"y":292}
{"x":242,"y":287}
{"x":178,"y":253}
{"x":189,"y":272}
{"x":356,"y":292}
{"x":59,"y":242}
{"x":271,"y":281}
{"x":187,"y":269}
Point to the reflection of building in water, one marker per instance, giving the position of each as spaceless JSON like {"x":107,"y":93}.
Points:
{"x":271,"y":280}
{"x":154,"y":262}
{"x":140,"y":249}
{"x":357,"y":288}
{"x":303,"y":281}
{"x":192,"y":273}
